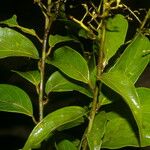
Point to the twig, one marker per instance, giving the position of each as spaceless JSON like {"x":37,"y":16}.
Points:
{"x":145,"y":19}
{"x":132,"y":13}
{"x":48,"y":22}
{"x":34,"y":120}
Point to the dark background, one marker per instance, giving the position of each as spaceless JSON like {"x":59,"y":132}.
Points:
{"x":15,"y":128}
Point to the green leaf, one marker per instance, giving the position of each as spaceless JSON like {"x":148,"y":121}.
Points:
{"x":12,"y":22}
{"x":86,"y":34}
{"x":121,"y":84}
{"x":116,"y":29}
{"x":58,"y":83}
{"x":103,"y":100}
{"x":31,"y":76}
{"x":51,"y":122}
{"x":134,"y":59}
{"x":144,"y":95}
{"x":65,"y":145}
{"x":121,"y":129}
{"x":120,"y":124}
{"x":97,"y":131}
{"x":55,"y":39}
{"x":12,"y":43}
{"x":71,"y":63}
{"x":14,"y":99}
{"x":83,"y":33}
{"x":71,"y":124}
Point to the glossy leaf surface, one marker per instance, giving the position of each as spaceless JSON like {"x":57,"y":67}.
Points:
{"x":97,"y":131}
{"x":51,"y":122}
{"x":58,"y":83}
{"x":31,"y":76}
{"x":55,"y":39}
{"x":12,"y":43}
{"x":144,"y":94}
{"x":120,"y":83}
{"x":12,"y":22}
{"x":116,"y":29}
{"x":14,"y":99}
{"x":72,"y":124}
{"x":71,"y":63}
{"x":134,"y":59}
{"x":121,"y":125}
{"x":65,"y":145}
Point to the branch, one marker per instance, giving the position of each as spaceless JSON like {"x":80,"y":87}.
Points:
{"x":48,"y":22}
{"x":145,"y":19}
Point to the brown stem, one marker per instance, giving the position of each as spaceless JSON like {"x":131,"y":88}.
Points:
{"x":48,"y":22}
{"x":91,"y":117}
{"x":100,"y":68}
